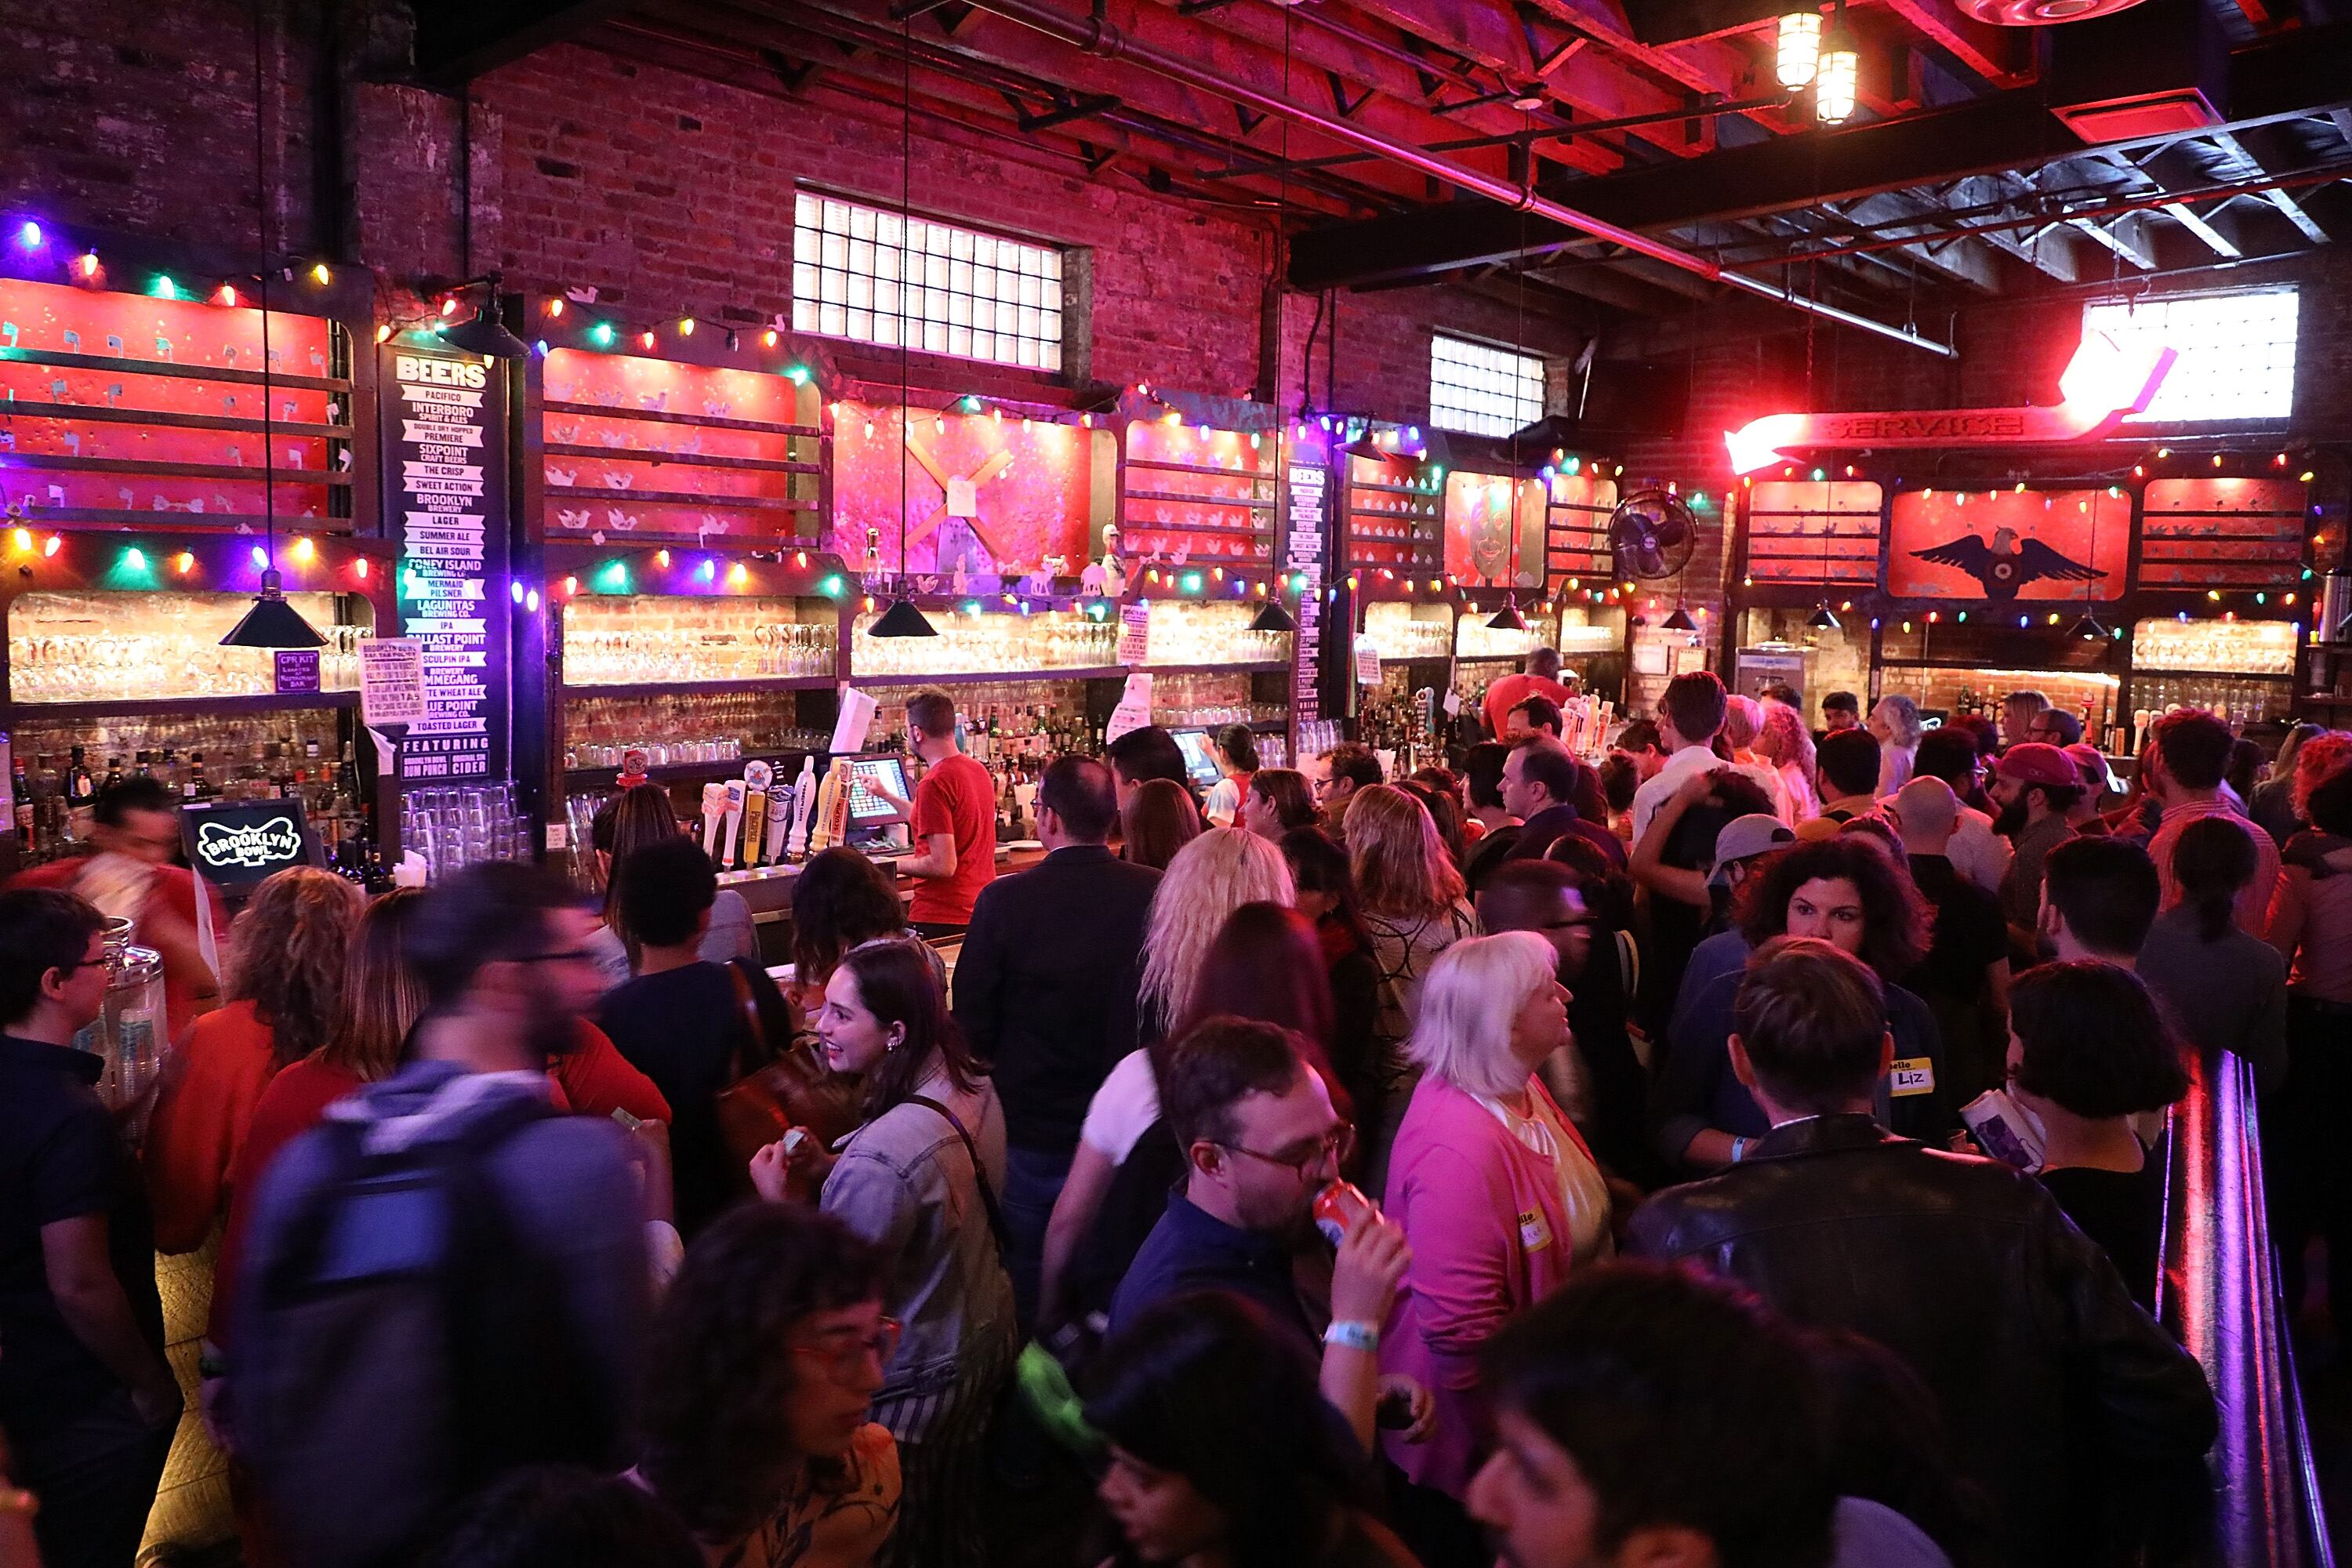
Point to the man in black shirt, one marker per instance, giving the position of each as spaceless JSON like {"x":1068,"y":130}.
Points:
{"x":683,"y":1021}
{"x":86,"y":1397}
{"x":1964,"y":978}
{"x":1045,"y":989}
{"x":2053,"y":1382}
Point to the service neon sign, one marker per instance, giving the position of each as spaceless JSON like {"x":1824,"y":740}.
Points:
{"x":2102,"y":382}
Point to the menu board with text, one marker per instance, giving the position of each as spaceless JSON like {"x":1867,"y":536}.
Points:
{"x":1304,"y":557}
{"x":444,"y":477}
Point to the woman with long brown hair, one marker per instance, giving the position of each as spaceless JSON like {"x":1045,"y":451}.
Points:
{"x":1159,"y":820}
{"x":920,"y":1179}
{"x":1409,"y":895}
{"x":284,"y":989}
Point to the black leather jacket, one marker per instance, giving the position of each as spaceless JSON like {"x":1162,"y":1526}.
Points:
{"x":2049,"y":1375}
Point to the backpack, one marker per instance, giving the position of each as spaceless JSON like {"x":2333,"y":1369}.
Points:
{"x":404,"y":1349}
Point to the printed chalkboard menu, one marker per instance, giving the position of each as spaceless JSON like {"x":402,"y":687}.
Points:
{"x":444,"y":472}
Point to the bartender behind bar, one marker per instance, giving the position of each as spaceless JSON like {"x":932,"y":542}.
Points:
{"x":953,"y":818}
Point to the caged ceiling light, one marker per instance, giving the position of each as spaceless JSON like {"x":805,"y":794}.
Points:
{"x":1838,"y":81}
{"x":1797,"y":50}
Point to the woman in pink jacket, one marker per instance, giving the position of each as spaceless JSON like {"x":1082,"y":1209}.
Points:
{"x":1497,"y":1194}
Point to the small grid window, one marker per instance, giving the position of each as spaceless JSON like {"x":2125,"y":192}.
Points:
{"x":2237,"y":351}
{"x":882,"y":278}
{"x":1484,"y":391}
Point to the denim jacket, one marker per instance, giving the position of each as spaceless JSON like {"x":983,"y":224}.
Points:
{"x":905,"y":1183}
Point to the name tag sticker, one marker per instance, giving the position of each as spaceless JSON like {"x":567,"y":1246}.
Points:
{"x":1535,"y":1231}
{"x":1912,"y":1075}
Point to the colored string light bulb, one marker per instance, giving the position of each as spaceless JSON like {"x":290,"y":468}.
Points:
{"x":320,"y":275}
{"x":186,"y":562}
{"x":89,"y":263}
{"x":28,"y":235}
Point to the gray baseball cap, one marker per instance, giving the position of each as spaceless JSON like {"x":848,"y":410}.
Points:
{"x":1743,"y":838}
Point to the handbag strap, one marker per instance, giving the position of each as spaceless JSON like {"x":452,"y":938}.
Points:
{"x":979,"y":1171}
{"x":755,"y":1053}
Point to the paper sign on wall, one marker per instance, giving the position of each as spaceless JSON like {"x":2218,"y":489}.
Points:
{"x":1135,"y":634}
{"x":297,"y":670}
{"x":964,"y":498}
{"x":850,"y":730}
{"x":392,"y":681}
{"x":1368,"y":662}
{"x":1134,"y":710}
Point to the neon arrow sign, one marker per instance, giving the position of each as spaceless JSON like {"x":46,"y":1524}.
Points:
{"x":2104,"y":382}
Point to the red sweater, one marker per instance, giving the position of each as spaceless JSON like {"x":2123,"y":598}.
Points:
{"x":200,"y":1120}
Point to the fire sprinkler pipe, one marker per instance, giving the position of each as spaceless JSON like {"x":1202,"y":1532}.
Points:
{"x":1098,"y":37}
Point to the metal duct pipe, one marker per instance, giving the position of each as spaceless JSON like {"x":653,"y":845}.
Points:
{"x":1098,"y":37}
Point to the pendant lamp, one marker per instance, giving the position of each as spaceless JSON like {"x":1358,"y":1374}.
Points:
{"x":1680,"y":620}
{"x":1272,"y":617}
{"x":486,"y":335}
{"x":272,"y":622}
{"x":1823,"y":619}
{"x":2089,"y":629}
{"x":900,"y":618}
{"x":1508,"y":618}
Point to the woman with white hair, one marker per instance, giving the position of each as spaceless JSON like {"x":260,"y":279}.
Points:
{"x":1895,"y":723}
{"x":1743,"y":727}
{"x":1497,"y":1194}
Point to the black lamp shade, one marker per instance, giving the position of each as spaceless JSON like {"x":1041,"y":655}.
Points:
{"x":1272,"y":617}
{"x":2087,"y":629}
{"x":1508,"y":618}
{"x":272,"y":622}
{"x":902,"y":620}
{"x":1823,"y":619}
{"x":486,"y":335}
{"x":1679,"y":621}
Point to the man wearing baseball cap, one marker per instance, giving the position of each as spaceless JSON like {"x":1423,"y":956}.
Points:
{"x":2035,"y":785}
{"x":2099,"y":781}
{"x":1740,"y":845}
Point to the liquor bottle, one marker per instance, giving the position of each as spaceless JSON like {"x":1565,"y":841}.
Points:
{"x":113,"y":772}
{"x":198,"y":787}
{"x":21,"y":791}
{"x":48,"y":805}
{"x":80,"y":787}
{"x":167,"y":768}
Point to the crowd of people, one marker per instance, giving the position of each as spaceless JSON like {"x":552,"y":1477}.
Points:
{"x":1742,"y":1149}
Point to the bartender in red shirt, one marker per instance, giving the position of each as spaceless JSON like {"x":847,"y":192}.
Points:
{"x":1540,"y":679}
{"x":954,"y":822}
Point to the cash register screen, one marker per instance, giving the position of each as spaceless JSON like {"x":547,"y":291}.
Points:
{"x":1199,"y":760}
{"x":867,"y":809}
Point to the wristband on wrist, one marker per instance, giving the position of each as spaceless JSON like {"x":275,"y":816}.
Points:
{"x":1354,"y":1336}
{"x":1739,"y":1150}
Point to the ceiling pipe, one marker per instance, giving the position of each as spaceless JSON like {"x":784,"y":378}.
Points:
{"x":1098,"y":37}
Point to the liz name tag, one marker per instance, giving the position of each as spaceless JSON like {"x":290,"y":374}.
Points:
{"x":1535,"y":1231}
{"x":1912,"y":1075}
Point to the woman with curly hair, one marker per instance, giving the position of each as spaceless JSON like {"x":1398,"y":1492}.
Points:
{"x":1854,"y":894}
{"x":1786,"y":746}
{"x":285,"y":990}
{"x":840,"y":898}
{"x":756,"y":1403}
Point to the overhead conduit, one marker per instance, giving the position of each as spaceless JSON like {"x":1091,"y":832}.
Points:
{"x":1098,"y":37}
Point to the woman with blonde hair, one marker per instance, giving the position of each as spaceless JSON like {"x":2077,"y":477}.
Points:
{"x":1211,"y":878}
{"x":1499,"y":1196}
{"x":1411,"y":899}
{"x":1786,"y":746}
{"x":285,"y":987}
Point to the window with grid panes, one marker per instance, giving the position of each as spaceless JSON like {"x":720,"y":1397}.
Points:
{"x":878,"y":276}
{"x":2237,"y":351}
{"x":1484,"y":390}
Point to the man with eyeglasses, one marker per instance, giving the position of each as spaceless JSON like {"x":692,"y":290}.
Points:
{"x":1260,"y":1141}
{"x":449,"y":1279}
{"x":86,"y":1397}
{"x":134,"y":872}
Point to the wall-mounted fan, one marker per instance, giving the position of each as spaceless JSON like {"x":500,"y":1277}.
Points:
{"x":1651,"y":534}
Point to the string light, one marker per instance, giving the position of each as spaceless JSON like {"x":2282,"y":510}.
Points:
{"x":227,"y":296}
{"x":186,"y":562}
{"x":554,"y":310}
{"x":685,"y":326}
{"x":383,"y":333}
{"x":601,"y":334}
{"x":448,"y":305}
{"x":89,"y":263}
{"x":304,"y":550}
{"x":320,"y":275}
{"x":645,"y":339}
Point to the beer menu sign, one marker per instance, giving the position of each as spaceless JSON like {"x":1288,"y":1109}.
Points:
{"x":444,"y":478}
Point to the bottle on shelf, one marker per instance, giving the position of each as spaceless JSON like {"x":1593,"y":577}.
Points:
{"x":20,"y":786}
{"x":81,"y":788}
{"x":113,"y":773}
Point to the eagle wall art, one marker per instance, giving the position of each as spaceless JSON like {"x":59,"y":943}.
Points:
{"x":2003,"y":546}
